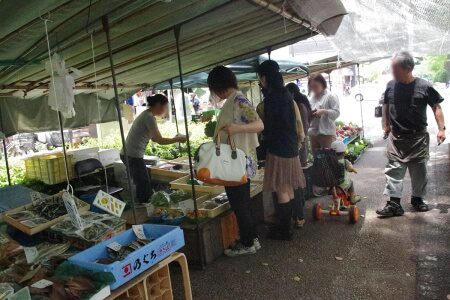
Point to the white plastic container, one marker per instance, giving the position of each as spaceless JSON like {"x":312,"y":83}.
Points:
{"x":108,"y":156}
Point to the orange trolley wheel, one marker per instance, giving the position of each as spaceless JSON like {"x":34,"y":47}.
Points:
{"x":317,"y":212}
{"x":353,"y":214}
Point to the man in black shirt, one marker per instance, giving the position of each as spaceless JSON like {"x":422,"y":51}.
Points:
{"x":406,"y":99}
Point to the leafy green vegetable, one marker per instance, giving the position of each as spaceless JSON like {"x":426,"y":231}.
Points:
{"x":178,"y":196}
{"x":210,"y":127}
{"x":160,"y":199}
{"x":193,"y":182}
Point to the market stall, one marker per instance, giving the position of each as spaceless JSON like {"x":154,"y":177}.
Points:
{"x":96,"y":254}
{"x":351,"y":135}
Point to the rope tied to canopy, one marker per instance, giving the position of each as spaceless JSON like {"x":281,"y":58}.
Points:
{"x":66,"y":168}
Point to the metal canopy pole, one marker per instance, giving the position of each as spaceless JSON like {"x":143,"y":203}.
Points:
{"x":5,"y":151}
{"x":105,"y":23}
{"x":360,"y":102}
{"x":176,"y":31}
{"x":6,"y":161}
{"x":251,"y":90}
{"x":329,"y":79}
{"x":174,"y":109}
{"x":173,"y":104}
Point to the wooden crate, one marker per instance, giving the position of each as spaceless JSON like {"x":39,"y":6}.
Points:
{"x":174,"y":208}
{"x":165,"y":175}
{"x":184,"y":161}
{"x":83,"y":206}
{"x":214,"y":212}
{"x":181,"y":184}
{"x":203,"y":212}
{"x":229,"y":229}
{"x":210,"y":239}
{"x":77,"y":242}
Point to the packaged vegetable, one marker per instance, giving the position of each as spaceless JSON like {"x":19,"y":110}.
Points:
{"x":161,"y":199}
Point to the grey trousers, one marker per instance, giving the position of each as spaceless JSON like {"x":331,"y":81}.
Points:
{"x":395,"y":173}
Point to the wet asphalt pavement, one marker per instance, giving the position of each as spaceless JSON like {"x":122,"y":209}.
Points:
{"x":405,"y":257}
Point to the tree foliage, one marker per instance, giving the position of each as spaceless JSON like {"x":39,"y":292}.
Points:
{"x":434,"y":68}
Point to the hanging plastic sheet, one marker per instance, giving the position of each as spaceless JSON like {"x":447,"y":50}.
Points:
{"x":374,"y":29}
{"x":33,"y":115}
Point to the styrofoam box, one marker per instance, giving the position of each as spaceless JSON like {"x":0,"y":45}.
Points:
{"x":120,"y":171}
{"x":165,"y":241}
{"x":108,"y":156}
{"x":83,"y":154}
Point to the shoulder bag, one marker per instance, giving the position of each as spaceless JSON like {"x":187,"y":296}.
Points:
{"x":221,"y":164}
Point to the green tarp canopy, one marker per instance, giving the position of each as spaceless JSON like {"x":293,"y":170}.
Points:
{"x":142,"y":37}
{"x":245,"y":70}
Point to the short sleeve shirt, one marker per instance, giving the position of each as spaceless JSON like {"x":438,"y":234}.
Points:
{"x":140,"y":134}
{"x":244,"y":113}
{"x":408,"y":104}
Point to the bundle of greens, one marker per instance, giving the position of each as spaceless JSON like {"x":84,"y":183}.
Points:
{"x":178,"y":196}
{"x":160,"y":199}
{"x":210,"y":128}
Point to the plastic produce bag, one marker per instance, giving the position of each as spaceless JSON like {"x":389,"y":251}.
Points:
{"x":160,"y":199}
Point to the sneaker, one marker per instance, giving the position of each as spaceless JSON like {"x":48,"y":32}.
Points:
{"x":419,"y":204}
{"x":355,"y":199}
{"x":256,"y":244}
{"x":239,"y":250}
{"x":299,"y":223}
{"x":391,"y":209}
{"x":319,"y":191}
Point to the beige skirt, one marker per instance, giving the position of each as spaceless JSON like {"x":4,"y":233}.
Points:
{"x":283,"y":173}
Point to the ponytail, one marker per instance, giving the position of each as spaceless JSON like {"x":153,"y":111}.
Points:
{"x":271,"y":71}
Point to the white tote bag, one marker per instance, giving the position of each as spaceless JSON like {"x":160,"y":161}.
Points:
{"x":221,"y":164}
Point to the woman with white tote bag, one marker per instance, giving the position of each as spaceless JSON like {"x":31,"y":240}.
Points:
{"x":239,"y":122}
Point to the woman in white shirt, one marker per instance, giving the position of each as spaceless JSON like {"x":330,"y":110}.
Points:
{"x":325,"y":111}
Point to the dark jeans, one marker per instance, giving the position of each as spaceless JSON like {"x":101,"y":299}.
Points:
{"x":240,"y":201}
{"x":141,"y":178}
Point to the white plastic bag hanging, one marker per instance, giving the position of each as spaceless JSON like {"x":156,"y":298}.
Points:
{"x":61,"y":88}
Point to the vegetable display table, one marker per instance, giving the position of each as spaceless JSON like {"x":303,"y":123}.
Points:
{"x":155,"y":282}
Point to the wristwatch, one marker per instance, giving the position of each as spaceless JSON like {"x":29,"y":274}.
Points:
{"x":443,"y":128}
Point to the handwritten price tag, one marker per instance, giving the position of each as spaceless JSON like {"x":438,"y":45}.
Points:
{"x":139,"y":232}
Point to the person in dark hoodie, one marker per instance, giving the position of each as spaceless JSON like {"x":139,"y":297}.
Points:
{"x":283,"y":173}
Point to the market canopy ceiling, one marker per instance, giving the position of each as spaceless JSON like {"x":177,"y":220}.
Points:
{"x":142,"y":37}
{"x":244,"y":70}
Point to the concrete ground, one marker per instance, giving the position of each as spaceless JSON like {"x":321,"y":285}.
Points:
{"x":398,"y":258}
